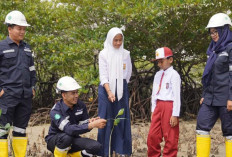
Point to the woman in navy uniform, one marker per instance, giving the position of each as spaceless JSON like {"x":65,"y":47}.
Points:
{"x":216,"y":101}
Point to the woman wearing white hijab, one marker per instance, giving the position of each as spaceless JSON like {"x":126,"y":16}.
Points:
{"x":115,"y":71}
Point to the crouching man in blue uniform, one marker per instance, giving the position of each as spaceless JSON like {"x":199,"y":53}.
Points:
{"x":69,"y":119}
{"x":17,"y":81}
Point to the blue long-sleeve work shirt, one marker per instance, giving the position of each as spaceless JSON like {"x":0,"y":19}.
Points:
{"x":17,"y":70}
{"x":219,"y":90}
{"x":70,"y":121}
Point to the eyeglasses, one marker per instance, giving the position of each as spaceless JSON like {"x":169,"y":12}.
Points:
{"x":213,"y":33}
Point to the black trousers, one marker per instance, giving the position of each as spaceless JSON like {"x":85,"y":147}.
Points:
{"x":208,"y":115}
{"x":62,"y":141}
{"x":16,"y":112}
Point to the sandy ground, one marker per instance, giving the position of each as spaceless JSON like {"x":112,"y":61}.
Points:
{"x":37,"y":145}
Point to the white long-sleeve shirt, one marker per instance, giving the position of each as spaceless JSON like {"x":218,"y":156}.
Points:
{"x":104,"y":68}
{"x":170,"y":89}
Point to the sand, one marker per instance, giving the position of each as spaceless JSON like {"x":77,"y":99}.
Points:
{"x":187,"y":148}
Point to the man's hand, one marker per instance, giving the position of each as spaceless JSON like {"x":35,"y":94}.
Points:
{"x":201,"y":101}
{"x":229,"y":105}
{"x":1,"y":93}
{"x":98,"y":123}
{"x":33,"y":92}
{"x":93,"y":119}
{"x":151,"y":115}
{"x":173,"y":121}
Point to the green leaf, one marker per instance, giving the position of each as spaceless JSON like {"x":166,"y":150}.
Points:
{"x":0,"y":112}
{"x":2,"y":134}
{"x":120,"y":112}
{"x":116,"y":121}
{"x":7,"y":126}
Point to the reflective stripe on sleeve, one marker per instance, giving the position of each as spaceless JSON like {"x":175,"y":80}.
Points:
{"x":32,"y":68}
{"x":53,"y":107}
{"x":63,"y":123}
{"x":230,"y":68}
{"x":19,"y":130}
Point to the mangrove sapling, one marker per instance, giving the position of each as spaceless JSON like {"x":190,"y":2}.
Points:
{"x":116,"y":121}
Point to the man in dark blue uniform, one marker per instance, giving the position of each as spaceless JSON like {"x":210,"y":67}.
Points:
{"x":69,"y":119}
{"x":17,"y":82}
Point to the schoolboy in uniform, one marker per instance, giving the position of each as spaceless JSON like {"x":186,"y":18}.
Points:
{"x":165,"y":107}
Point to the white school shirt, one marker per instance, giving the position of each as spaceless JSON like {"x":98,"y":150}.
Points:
{"x":170,"y":89}
{"x":104,"y":68}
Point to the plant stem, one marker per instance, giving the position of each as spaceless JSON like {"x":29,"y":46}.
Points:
{"x":110,"y":141}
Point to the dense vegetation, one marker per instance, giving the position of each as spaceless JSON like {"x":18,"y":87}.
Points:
{"x":67,"y":35}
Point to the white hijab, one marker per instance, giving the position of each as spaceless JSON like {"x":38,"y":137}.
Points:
{"x":115,"y":61}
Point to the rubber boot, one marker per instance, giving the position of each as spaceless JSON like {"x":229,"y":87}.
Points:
{"x":75,"y":154}
{"x":3,"y":148}
{"x":228,"y":144}
{"x":203,"y":145}
{"x":60,"y":153}
{"x":19,"y":145}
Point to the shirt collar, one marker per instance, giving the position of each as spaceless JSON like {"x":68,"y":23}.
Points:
{"x":9,"y":41}
{"x":65,"y":107}
{"x":168,"y":69}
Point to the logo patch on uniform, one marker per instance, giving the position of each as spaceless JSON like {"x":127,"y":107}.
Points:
{"x":124,"y":66}
{"x":167,"y":85}
{"x":57,"y":116}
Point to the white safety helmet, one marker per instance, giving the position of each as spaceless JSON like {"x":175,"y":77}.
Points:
{"x":67,"y":83}
{"x":16,"y":18}
{"x":219,"y":20}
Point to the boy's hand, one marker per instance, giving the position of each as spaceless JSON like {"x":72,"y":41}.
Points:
{"x":151,"y":115}
{"x":173,"y":121}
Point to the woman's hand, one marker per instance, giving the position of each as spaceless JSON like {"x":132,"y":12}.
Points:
{"x":1,"y":93}
{"x":111,"y":96}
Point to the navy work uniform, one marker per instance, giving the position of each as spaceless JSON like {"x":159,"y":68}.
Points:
{"x":17,"y":79}
{"x":216,"y":95}
{"x":66,"y":127}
